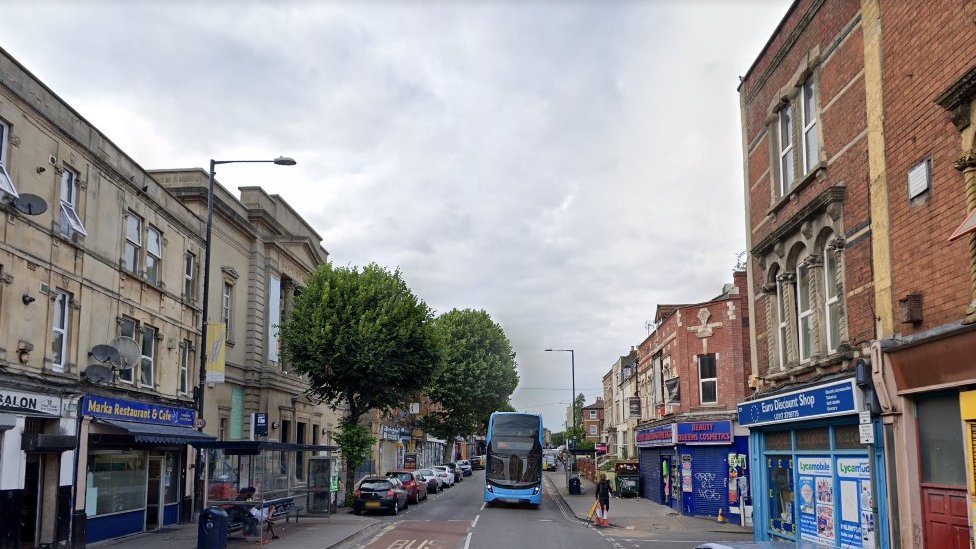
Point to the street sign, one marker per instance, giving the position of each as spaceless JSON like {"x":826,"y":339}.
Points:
{"x":865,"y":417}
{"x":867,"y":434}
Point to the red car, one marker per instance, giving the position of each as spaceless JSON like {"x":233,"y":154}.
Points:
{"x":416,"y":491}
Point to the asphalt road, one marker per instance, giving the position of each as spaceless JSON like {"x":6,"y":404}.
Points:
{"x":458,"y":519}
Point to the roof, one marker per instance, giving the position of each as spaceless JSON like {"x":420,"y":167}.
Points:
{"x":598,"y":405}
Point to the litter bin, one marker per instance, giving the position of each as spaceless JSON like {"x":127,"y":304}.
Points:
{"x":574,"y":486}
{"x":212,"y":529}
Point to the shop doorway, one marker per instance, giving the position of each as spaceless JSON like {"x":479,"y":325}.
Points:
{"x":154,"y":493}
{"x":943,"y":472}
{"x":31,"y":514}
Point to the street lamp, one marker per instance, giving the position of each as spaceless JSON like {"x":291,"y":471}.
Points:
{"x":280,"y":161}
{"x":572,"y":357}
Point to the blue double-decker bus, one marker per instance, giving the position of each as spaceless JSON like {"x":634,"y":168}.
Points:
{"x":513,"y":472}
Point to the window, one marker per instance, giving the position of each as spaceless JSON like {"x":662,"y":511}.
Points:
{"x":811,"y":136}
{"x":781,"y":320}
{"x":189,"y":261}
{"x":154,"y":254}
{"x":6,"y":182}
{"x":707,"y":379}
{"x":117,"y":481}
{"x":184,"y":367}
{"x":592,"y":430}
{"x":70,"y":222}
{"x":148,"y":356}
{"x":787,"y":171}
{"x":804,"y":312}
{"x":592,"y":414}
{"x":832,"y":301}
{"x":226,"y":299}
{"x":941,"y":447}
{"x":133,"y":243}
{"x":127,"y":328}
{"x":222,"y":429}
{"x":59,"y":341}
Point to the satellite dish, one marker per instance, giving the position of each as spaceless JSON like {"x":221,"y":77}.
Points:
{"x":104,"y":353}
{"x":30,"y":204}
{"x":129,"y":352}
{"x":98,"y":374}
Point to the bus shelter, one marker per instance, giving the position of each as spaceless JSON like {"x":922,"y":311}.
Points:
{"x":292,"y":478}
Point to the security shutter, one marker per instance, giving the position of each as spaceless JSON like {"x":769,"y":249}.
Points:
{"x":650,"y":473}
{"x":710,"y":479}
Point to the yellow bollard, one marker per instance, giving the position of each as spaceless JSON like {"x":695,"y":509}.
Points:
{"x":721,"y":516}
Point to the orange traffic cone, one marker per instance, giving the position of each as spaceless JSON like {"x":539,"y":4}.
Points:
{"x":721,"y":516}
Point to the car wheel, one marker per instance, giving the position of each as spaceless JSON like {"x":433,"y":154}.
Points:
{"x":396,"y":507}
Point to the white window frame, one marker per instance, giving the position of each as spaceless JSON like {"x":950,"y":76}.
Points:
{"x":593,"y":430}
{"x":704,"y":380}
{"x":128,"y":376}
{"x":592,"y":414}
{"x":189,"y":272}
{"x":786,"y":148}
{"x":184,"y":381}
{"x":62,"y":308}
{"x":227,"y":308}
{"x":4,"y":138}
{"x":808,"y":94}
{"x":803,"y":315}
{"x":70,"y":221}
{"x":831,"y":301}
{"x":781,"y":323}
{"x":154,"y":258}
{"x":6,"y":182}
{"x":133,"y":248}
{"x":148,"y":362}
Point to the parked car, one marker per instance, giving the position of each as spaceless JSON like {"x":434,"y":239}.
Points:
{"x":378,"y":494}
{"x":478,"y":462}
{"x":431,"y":478}
{"x":416,"y":490}
{"x":445,"y":474}
{"x":458,"y":477}
{"x":465,"y":466}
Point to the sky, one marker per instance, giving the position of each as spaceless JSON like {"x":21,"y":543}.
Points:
{"x":565,"y":166}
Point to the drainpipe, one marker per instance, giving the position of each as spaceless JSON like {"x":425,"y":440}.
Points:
{"x":73,"y":540}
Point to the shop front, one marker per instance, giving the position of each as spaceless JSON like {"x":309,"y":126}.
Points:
{"x":656,"y":453}
{"x":38,"y":436}
{"x":135,"y":466}
{"x":812,"y":467}
{"x":712,"y":460}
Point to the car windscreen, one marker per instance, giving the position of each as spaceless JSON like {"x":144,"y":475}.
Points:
{"x":514,"y":461}
{"x":427,"y":472}
{"x":404,"y":477}
{"x":375,"y":485}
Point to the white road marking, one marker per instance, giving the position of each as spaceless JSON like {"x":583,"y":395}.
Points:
{"x":483,"y":505}
{"x":467,"y":541}
{"x":475,"y":521}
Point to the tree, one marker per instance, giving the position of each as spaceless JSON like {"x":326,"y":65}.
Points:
{"x":558,"y":439}
{"x":365,"y":341}
{"x":577,"y":435}
{"x":475,"y":377}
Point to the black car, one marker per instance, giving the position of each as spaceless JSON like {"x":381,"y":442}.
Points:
{"x":378,"y":494}
{"x":458,"y":474}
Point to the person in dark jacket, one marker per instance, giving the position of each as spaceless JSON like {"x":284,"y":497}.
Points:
{"x":603,"y":492}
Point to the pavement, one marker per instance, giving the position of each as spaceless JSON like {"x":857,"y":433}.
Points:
{"x":629,"y":518}
{"x":639,"y":517}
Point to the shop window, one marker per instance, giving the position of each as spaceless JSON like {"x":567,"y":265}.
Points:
{"x":779,"y":440}
{"x":813,"y":439}
{"x":940,"y":441}
{"x":116,"y":482}
{"x":171,"y":476}
{"x":847,"y":437}
{"x":780,"y":495}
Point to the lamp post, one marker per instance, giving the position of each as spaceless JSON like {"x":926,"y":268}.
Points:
{"x":198,"y":467}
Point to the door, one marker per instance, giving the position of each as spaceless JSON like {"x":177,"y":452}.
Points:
{"x":944,"y":512}
{"x":943,"y":473}
{"x":154,"y":493}
{"x":30,"y":515}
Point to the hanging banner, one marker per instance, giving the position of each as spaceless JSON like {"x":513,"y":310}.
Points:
{"x":817,"y":499}
{"x":672,"y":391}
{"x":686,"y":484}
{"x":216,"y":352}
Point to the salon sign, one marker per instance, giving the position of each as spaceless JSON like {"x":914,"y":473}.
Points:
{"x":30,"y":402}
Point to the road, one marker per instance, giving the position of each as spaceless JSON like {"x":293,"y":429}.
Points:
{"x":457,"y":519}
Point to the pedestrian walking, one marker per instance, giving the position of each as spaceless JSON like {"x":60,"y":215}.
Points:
{"x":603,"y":492}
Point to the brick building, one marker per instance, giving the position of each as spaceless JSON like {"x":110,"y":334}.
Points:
{"x":693,"y":370}
{"x":593,"y":420}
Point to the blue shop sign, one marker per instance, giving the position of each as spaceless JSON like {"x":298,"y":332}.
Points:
{"x":662,"y":435}
{"x":705,"y":432}
{"x":142,"y":412}
{"x":833,"y":399}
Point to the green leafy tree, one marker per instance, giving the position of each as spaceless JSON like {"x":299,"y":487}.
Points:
{"x":558,"y":439}
{"x":356,"y":444}
{"x":475,"y":377}
{"x":577,"y":435}
{"x":365,"y":341}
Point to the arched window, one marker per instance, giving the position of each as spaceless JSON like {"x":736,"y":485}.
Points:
{"x":832,"y":299}
{"x":780,"y":318}
{"x":804,"y":311}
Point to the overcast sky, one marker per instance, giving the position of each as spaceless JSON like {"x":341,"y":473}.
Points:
{"x":566,"y":166}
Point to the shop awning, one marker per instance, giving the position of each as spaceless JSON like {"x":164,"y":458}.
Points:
{"x":159,"y":434}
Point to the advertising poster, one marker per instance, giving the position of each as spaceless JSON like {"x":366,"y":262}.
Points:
{"x":686,"y":474}
{"x":857,"y":522}
{"x":816,"y":502}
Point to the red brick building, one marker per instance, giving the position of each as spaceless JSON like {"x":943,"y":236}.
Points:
{"x":593,"y":420}
{"x":693,"y":370}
